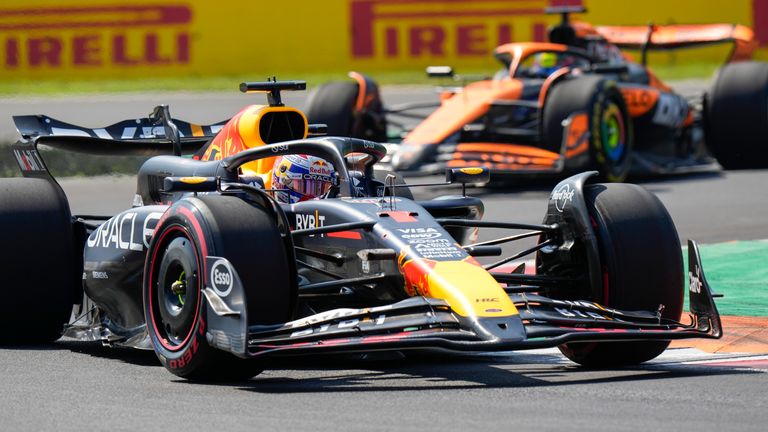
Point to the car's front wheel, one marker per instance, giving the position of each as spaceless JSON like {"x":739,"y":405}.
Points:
{"x":248,"y":237}
{"x":642,"y":268}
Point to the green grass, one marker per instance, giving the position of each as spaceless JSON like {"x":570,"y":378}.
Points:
{"x":188,"y":83}
{"x":664,"y":70}
{"x":675,"y":72}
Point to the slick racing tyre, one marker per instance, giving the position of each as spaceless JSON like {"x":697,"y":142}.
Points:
{"x":736,"y":116}
{"x":41,"y":263}
{"x":225,"y":226}
{"x":642,"y":266}
{"x":334,"y":104}
{"x":610,"y":127}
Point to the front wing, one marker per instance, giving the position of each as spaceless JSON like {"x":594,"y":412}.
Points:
{"x":420,"y":322}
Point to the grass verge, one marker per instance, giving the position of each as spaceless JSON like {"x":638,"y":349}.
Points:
{"x":666,"y":71}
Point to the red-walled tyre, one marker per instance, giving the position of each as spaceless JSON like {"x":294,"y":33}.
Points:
{"x":249,"y":238}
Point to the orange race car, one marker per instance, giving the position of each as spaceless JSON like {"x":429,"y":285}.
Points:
{"x":574,"y":103}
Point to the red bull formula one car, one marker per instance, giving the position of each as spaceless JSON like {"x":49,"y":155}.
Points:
{"x":212,"y":272}
{"x":576,"y":102}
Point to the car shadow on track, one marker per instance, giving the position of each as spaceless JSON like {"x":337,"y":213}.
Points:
{"x":441,"y":372}
{"x":96,"y":349}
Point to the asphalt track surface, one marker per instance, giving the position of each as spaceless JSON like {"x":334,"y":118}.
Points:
{"x":76,"y":386}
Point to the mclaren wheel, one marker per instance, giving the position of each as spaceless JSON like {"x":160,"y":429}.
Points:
{"x":610,"y":139}
{"x":335,"y":104}
{"x":41,"y":264}
{"x":248,"y":237}
{"x":737,"y":116}
{"x":642,"y":267}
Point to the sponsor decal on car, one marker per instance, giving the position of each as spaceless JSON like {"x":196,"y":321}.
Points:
{"x":694,"y":281}
{"x":125,"y":232}
{"x":419,"y":233}
{"x":319,"y":323}
{"x":222,"y":278}
{"x":562,"y":196}
{"x":28,"y":160}
{"x":309,"y":221}
{"x":438,"y":249}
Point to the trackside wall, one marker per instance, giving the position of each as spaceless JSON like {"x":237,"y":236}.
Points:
{"x":94,"y":39}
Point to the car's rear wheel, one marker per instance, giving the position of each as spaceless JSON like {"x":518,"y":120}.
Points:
{"x":334,"y":104}
{"x":611,"y":138}
{"x":642,"y":267}
{"x":248,"y":237}
{"x":40,"y":264}
{"x":737,"y":116}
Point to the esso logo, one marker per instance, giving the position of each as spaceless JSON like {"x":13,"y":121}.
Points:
{"x":221,"y":278}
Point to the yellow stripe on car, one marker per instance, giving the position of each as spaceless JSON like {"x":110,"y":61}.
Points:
{"x":469,"y":289}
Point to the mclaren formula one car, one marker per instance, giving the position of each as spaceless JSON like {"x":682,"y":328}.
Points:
{"x":576,"y":102}
{"x":212,"y":272}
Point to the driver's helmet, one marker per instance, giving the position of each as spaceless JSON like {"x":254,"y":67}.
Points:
{"x":546,"y":63}
{"x":299,"y":177}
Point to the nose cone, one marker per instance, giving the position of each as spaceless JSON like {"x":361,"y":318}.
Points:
{"x":468,"y":288}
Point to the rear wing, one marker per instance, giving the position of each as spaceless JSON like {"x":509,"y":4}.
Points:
{"x":31,"y":126}
{"x":676,"y":36}
{"x":156,"y":134}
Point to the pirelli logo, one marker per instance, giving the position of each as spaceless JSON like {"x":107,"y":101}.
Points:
{"x":443,"y":28}
{"x":125,"y":35}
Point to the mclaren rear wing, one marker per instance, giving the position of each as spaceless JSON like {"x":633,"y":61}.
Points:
{"x":677,"y":36}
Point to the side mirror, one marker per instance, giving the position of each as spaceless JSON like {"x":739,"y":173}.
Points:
{"x":468,"y":175}
{"x":317,"y":129}
{"x":439,"y":71}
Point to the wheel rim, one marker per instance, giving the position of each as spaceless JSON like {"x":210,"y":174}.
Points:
{"x":613,"y":133}
{"x":174,"y":284}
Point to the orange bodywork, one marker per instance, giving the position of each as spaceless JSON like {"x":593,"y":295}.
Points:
{"x":639,"y":100}
{"x":556,"y":75}
{"x":360,"y":79}
{"x":505,"y":157}
{"x":467,"y":287}
{"x":461,"y":109}
{"x":655,"y":82}
{"x":241,"y":133}
{"x":577,"y":135}
{"x":678,"y":36}
{"x":521,"y":50}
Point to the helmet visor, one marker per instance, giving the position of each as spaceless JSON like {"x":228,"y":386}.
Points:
{"x":310,"y":188}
